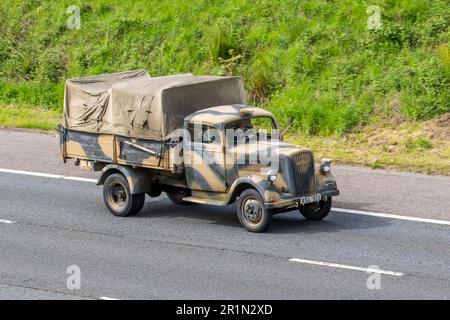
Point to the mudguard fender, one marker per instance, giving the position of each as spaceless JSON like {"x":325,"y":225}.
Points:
{"x":138,"y":179}
{"x":267,"y":190}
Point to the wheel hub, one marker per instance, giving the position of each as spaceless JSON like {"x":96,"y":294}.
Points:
{"x":118,"y":195}
{"x":252,"y":210}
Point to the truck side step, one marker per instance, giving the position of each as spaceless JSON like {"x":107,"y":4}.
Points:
{"x":205,"y":201}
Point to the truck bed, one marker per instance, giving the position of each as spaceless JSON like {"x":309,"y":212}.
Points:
{"x":110,"y":148}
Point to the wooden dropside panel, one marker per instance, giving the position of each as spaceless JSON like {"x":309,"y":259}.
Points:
{"x":88,"y":146}
{"x":141,"y":153}
{"x":110,"y":148}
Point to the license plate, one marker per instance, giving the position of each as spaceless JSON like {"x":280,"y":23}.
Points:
{"x":315,"y":198}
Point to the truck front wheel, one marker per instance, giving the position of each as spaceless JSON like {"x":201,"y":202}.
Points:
{"x":316,"y":211}
{"x":118,"y":198}
{"x":252,"y":214}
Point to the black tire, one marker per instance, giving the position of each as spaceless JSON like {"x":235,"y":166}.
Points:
{"x":252,"y":214}
{"x":316,"y":211}
{"x":176,"y":196}
{"x":118,"y":199}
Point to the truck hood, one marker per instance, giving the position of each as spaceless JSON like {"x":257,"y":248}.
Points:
{"x":293,"y":165}
{"x":280,"y":147}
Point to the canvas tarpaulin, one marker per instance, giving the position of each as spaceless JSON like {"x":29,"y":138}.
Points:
{"x":86,"y":100}
{"x":134,"y":104}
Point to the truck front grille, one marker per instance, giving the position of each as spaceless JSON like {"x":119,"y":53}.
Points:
{"x":303,"y":172}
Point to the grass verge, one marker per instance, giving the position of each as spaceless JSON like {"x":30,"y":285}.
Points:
{"x":422,"y":147}
{"x":30,"y":118}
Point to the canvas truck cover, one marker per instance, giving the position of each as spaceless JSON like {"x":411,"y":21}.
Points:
{"x":133,"y":104}
{"x":86,"y":99}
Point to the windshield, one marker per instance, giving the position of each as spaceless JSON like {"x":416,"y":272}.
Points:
{"x":250,"y":130}
{"x":257,"y":124}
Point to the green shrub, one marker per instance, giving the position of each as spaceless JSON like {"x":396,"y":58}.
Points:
{"x":48,"y":96}
{"x":419,"y":143}
{"x":314,"y":59}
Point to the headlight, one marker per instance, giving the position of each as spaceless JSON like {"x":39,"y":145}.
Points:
{"x":325,"y":167}
{"x":272,"y":177}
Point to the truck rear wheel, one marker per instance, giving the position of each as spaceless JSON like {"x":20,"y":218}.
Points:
{"x":118,"y":198}
{"x":316,"y":211}
{"x":252,"y":214}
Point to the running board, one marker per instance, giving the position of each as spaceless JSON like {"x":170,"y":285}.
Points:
{"x":205,"y":201}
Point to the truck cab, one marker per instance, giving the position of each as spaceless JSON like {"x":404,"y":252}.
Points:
{"x":235,"y":153}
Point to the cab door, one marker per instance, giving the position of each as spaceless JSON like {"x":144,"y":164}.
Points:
{"x":204,"y":158}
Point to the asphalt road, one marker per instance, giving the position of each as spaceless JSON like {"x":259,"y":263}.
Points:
{"x":191,"y":252}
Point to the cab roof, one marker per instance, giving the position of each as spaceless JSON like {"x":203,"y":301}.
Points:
{"x":226,"y":113}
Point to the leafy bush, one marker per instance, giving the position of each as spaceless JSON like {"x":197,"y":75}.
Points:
{"x":314,"y":60}
{"x":48,"y":96}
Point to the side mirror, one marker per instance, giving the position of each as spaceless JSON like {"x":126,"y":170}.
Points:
{"x":290,"y":124}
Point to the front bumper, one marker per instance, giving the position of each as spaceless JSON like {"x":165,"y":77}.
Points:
{"x":296,"y":201}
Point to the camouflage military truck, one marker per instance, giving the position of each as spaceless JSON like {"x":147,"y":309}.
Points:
{"x":194,"y":138}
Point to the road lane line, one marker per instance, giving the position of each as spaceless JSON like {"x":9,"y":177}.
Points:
{"x":360,"y":212}
{"x":7,"y":221}
{"x":47,"y":175}
{"x":343,"y":266}
{"x":392,"y":216}
{"x":107,"y":298}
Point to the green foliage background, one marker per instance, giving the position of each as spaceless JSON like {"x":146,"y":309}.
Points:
{"x":314,"y":60}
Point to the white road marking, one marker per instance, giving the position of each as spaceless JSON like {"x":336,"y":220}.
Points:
{"x":343,"y":266}
{"x":107,"y":298}
{"x":7,"y":221}
{"x":392,"y":216}
{"x":365,"y":213}
{"x":47,"y":175}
